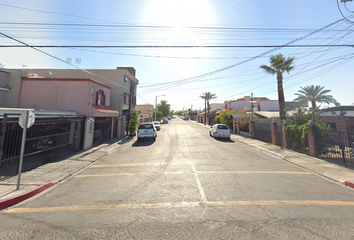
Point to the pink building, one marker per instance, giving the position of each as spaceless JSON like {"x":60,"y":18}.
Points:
{"x":73,"y":94}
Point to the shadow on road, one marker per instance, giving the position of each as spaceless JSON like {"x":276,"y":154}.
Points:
{"x":143,"y":143}
{"x":224,"y":140}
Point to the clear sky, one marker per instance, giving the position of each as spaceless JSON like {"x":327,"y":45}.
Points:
{"x":226,"y":67}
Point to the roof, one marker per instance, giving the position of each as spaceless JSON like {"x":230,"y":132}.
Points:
{"x":238,"y":115}
{"x":46,"y":79}
{"x":105,"y":109}
{"x":267,"y":114}
{"x":340,"y":108}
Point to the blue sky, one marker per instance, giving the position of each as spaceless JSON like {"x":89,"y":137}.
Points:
{"x":186,"y":22}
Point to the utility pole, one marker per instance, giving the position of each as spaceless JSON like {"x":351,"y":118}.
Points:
{"x":252,"y":105}
{"x":192,"y":112}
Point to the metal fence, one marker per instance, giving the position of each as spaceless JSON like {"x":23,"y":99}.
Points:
{"x":340,"y":147}
{"x":47,"y":140}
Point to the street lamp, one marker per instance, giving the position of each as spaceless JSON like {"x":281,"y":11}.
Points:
{"x":156,"y":104}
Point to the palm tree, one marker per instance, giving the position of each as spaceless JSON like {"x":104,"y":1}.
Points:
{"x":278,"y":65}
{"x":314,"y":94}
{"x":207,"y":96}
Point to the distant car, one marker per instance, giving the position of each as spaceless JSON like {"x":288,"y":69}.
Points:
{"x":147,"y":130}
{"x":164,"y":121}
{"x":220,"y":131}
{"x":157,"y":125}
{"x":168,"y":118}
{"x":185,"y":118}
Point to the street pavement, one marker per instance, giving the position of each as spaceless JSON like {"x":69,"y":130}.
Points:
{"x":44,"y":177}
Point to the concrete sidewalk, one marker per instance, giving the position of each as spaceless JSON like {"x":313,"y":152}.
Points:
{"x":321,"y":167}
{"x":42,"y":178}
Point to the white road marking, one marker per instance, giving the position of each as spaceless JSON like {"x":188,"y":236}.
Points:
{"x":201,"y":190}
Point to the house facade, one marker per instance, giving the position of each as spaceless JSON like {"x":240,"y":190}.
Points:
{"x":121,"y":81}
{"x":85,"y":96}
{"x":259,"y":104}
{"x":146,"y":112}
{"x":339,"y":118}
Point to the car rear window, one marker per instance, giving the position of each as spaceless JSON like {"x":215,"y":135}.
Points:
{"x":223,"y":127}
{"x":145,"y":126}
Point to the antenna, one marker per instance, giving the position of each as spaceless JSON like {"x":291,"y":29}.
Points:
{"x":77,"y":61}
{"x":68,"y":60}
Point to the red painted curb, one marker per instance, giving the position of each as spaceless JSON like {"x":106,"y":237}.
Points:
{"x":347,"y":183}
{"x":19,"y":198}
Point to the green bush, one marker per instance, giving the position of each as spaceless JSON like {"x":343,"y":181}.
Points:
{"x":297,"y":130}
{"x":133,"y":123}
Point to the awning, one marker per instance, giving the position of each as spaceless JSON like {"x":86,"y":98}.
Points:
{"x":103,"y":110}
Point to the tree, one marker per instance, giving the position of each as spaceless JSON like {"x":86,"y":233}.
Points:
{"x":158,"y":115}
{"x":207,"y":96}
{"x":314,"y":94}
{"x":133,"y":123}
{"x":164,"y":107}
{"x":278,"y":65}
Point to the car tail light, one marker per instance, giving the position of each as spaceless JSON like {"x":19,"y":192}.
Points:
{"x":153,"y":129}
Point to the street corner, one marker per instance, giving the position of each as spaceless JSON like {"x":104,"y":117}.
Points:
{"x":347,"y":183}
{"x":24,"y":196}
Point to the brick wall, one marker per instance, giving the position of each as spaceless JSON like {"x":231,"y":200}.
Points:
{"x":342,"y":123}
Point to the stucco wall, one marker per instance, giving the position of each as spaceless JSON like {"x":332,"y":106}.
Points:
{"x":59,"y":95}
{"x":269,"y":105}
{"x":113,"y":78}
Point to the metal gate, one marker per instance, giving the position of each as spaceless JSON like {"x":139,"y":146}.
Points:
{"x":48,"y":140}
{"x":340,"y":147}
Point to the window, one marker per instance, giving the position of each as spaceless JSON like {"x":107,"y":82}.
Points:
{"x":332,"y":126}
{"x":126,"y":98}
{"x":222,"y":127}
{"x":100,"y":98}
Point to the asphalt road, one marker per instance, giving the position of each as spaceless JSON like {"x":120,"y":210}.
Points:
{"x":186,"y":185}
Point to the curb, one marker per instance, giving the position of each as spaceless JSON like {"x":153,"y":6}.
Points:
{"x":268,"y":151}
{"x":22,"y":197}
{"x":347,"y":183}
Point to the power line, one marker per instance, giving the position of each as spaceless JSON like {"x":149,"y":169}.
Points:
{"x":178,"y":46}
{"x":59,"y":59}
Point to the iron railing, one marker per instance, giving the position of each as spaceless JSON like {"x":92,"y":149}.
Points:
{"x":340,"y":147}
{"x":47,"y":140}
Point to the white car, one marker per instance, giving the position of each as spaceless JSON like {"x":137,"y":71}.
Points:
{"x":157,"y":125}
{"x":147,"y":130}
{"x":220,"y":131}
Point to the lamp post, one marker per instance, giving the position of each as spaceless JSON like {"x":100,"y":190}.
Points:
{"x":156,"y":104}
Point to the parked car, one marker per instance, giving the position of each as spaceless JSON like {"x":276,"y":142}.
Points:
{"x":157,"y":125}
{"x":168,"y":118}
{"x":164,"y":121}
{"x":147,"y":130}
{"x":185,"y":118}
{"x":42,"y":143}
{"x":220,"y":131}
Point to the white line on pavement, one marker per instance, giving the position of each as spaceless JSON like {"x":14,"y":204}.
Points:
{"x":201,"y":190}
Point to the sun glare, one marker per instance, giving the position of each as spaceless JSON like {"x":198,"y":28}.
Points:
{"x":181,"y":13}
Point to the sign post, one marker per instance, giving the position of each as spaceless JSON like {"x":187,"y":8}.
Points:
{"x":26,"y":120}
